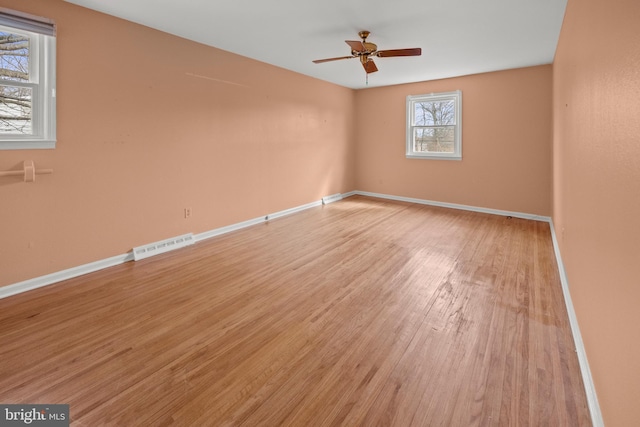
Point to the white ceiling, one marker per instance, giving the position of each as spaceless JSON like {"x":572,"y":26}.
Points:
{"x":457,"y":37}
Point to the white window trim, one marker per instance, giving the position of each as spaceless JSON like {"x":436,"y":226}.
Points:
{"x":457,"y":142}
{"x":43,"y":81}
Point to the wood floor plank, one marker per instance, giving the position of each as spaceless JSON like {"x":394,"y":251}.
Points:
{"x":361,"y":312}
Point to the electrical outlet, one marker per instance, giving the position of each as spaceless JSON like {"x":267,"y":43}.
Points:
{"x":187,"y":212}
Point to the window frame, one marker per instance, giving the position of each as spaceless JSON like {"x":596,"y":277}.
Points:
{"x":42,"y":81}
{"x":456,"y":97}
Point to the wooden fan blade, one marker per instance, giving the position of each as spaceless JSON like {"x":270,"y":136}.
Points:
{"x":356,"y":45}
{"x":370,"y":66}
{"x":399,"y":52}
{"x":320,"y":61}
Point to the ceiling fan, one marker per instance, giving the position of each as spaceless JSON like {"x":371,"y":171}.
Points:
{"x":366,"y":51}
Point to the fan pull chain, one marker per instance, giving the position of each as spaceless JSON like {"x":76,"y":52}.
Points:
{"x":367,"y":79}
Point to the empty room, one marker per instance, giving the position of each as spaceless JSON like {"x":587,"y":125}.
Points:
{"x":346,"y":213}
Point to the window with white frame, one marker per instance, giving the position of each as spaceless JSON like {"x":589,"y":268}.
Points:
{"x":27,"y":81}
{"x":434,"y":126}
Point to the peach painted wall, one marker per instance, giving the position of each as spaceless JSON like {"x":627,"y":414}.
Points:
{"x":596,"y":100}
{"x":149,"y":124}
{"x":506,"y":143}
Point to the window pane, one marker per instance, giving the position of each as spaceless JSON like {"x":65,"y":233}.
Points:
{"x":433,"y":140}
{"x":15,"y":110}
{"x":14,"y":57}
{"x":434,"y":113}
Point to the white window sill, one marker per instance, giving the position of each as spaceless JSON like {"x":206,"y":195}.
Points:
{"x":433,"y":157}
{"x":28,"y":145}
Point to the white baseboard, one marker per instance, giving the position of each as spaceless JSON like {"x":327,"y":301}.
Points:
{"x":49,"y":279}
{"x":293,"y":210}
{"x":332,"y":198}
{"x":452,"y":206}
{"x":587,"y":379}
{"x":229,"y":228}
{"x":244,"y":224}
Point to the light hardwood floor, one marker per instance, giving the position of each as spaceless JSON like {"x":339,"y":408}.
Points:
{"x":363,"y":312}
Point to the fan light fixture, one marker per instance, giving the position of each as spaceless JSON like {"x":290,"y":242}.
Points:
{"x":366,"y":51}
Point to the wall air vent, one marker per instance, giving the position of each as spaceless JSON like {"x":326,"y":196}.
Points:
{"x":142,"y":252}
{"x":332,"y":198}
